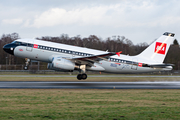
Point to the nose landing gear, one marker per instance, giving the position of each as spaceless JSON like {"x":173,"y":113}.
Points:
{"x":26,"y":63}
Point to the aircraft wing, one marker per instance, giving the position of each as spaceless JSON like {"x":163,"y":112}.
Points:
{"x":94,"y":58}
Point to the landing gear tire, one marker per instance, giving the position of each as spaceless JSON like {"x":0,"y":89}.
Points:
{"x":82,"y":76}
{"x":79,"y":77}
{"x":25,"y":67}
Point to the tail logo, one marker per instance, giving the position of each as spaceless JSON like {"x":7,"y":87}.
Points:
{"x":160,"y":48}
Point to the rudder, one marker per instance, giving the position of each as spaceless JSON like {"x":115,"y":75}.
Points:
{"x":158,"y":49}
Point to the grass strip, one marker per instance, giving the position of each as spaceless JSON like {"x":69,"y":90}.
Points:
{"x":89,"y":104}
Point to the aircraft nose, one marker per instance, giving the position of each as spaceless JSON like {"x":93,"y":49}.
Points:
{"x":9,"y":48}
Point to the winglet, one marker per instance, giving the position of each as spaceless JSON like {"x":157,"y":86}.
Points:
{"x":118,"y":53}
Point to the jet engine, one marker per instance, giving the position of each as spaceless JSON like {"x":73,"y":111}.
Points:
{"x":61,"y":64}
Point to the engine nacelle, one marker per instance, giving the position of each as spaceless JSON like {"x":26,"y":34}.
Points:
{"x":61,"y":64}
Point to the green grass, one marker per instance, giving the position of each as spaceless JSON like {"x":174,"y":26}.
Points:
{"x":86,"y":104}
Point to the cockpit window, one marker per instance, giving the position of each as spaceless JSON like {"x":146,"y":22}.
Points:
{"x":169,"y":34}
{"x":14,"y":42}
{"x":24,"y":44}
{"x":19,"y":43}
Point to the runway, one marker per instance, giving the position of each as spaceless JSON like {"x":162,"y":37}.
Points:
{"x":89,"y":85}
{"x":99,"y":76}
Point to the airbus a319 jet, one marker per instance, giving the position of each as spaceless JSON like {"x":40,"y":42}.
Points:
{"x":68,"y":58}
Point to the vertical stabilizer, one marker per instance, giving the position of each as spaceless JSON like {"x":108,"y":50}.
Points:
{"x":158,"y":49}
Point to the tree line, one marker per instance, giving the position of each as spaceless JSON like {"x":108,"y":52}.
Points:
{"x":111,"y":44}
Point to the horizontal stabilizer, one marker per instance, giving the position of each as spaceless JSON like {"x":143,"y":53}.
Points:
{"x":160,"y":65}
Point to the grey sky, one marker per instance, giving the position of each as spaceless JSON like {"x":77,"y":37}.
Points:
{"x":139,"y":21}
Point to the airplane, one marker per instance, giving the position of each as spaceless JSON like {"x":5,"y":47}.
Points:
{"x":67,"y":58}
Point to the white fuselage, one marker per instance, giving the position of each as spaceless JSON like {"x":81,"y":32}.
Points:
{"x":45,"y":51}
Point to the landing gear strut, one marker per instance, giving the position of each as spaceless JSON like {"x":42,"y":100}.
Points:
{"x":26,"y":63}
{"x":83,"y":75}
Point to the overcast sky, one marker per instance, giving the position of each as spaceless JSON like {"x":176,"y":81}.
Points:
{"x":138,"y":20}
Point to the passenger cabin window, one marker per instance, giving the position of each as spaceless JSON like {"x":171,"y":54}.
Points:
{"x":29,"y":45}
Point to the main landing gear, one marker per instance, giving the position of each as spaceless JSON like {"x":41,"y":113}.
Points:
{"x":82,"y":76}
{"x":82,"y":68}
{"x":26,"y":63}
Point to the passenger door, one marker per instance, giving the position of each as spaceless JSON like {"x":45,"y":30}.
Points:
{"x":134,"y":64}
{"x":29,"y":46}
